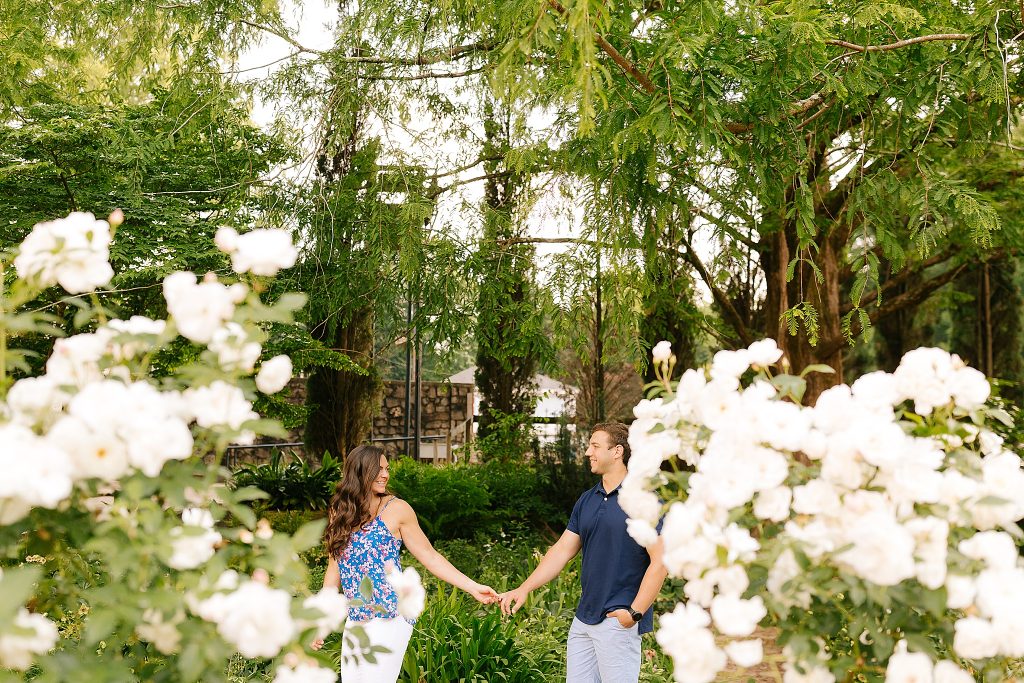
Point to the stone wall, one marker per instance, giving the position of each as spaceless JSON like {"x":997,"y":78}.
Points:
{"x":447,"y":421}
{"x":447,"y":418}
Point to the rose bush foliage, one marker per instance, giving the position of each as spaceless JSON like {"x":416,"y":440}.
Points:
{"x":876,"y":530}
{"x":124,"y":555}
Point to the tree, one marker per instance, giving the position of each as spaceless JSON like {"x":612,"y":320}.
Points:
{"x":509,"y":334}
{"x":818,"y":120}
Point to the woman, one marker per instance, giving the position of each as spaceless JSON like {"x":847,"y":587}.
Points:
{"x":366,"y":527}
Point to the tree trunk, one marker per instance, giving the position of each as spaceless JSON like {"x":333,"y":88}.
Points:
{"x":805,"y":292}
{"x":342,"y":403}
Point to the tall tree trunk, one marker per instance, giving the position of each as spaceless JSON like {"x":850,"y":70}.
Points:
{"x":506,"y":360}
{"x":342,"y":402}
{"x":808,"y":296}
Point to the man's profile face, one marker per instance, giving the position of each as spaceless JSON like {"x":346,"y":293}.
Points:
{"x":602,"y":453}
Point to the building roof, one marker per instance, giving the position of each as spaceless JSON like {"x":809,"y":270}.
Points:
{"x":544,"y":383}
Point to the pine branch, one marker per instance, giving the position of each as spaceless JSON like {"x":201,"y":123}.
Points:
{"x":900,"y":43}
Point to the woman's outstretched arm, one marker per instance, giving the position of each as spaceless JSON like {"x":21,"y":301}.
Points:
{"x":434,"y":562}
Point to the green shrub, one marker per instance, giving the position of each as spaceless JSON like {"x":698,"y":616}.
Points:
{"x":450,"y":501}
{"x":508,"y":437}
{"x":291,"y":485}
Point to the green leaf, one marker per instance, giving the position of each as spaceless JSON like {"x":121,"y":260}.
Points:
{"x":16,"y":586}
{"x":817,"y":367}
{"x":308,"y":535}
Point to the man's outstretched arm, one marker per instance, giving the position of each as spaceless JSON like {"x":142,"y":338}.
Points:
{"x":551,"y":565}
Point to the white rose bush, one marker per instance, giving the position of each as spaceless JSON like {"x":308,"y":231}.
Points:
{"x":875,"y":532}
{"x":124,"y":556}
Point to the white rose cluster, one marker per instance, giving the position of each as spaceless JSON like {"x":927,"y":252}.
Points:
{"x":73,"y":252}
{"x":257,"y":619}
{"x":852,"y":484}
{"x":94,"y":414}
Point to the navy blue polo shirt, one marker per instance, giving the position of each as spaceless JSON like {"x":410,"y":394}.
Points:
{"x":613,"y":563}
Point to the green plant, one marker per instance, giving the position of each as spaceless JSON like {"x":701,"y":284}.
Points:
{"x":455,"y":640}
{"x":450,"y":501}
{"x":291,"y":485}
{"x":507,"y":439}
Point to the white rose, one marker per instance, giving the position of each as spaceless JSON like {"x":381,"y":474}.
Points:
{"x":195,"y":542}
{"x":948,"y":672}
{"x":226,"y":239}
{"x":764,"y":353}
{"x":71,"y":251}
{"x":256,"y":619}
{"x":974,"y":638}
{"x":16,"y":650}
{"x":695,"y":657}
{"x":662,"y":352}
{"x":882,"y":552}
{"x":409,"y":589}
{"x":773,"y":504}
{"x":1000,"y":591}
{"x":642,"y":532}
{"x":233,"y":348}
{"x":274,"y":374}
{"x":735,"y":616}
{"x":1009,"y":630}
{"x":876,"y":390}
{"x":305,"y":673}
{"x":263,"y":252}
{"x":729,"y":365}
{"x":909,"y":667}
{"x":219,"y":404}
{"x":99,"y":454}
{"x":970,"y":388}
{"x":34,"y":470}
{"x":745,"y":653}
{"x":995,"y":548}
{"x":639,"y":503}
{"x":164,"y":635}
{"x":960,"y":591}
{"x":811,"y":674}
{"x":199,"y":309}
{"x":332,"y":605}
{"x":815,"y":497}
{"x":36,"y":400}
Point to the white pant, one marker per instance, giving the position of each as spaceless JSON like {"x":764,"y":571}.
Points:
{"x":392,"y":634}
{"x":602,"y":653}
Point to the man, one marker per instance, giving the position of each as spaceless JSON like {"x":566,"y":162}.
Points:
{"x":620,"y":578}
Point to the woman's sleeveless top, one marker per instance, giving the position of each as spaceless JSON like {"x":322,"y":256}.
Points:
{"x":371,"y":549}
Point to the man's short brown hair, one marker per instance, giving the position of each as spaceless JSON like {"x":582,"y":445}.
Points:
{"x":618,"y":434}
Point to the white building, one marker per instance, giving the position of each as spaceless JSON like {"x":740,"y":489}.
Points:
{"x":554,"y":400}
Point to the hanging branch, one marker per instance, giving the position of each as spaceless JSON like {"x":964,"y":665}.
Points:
{"x":900,"y":43}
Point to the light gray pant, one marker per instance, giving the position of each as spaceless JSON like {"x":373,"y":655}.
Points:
{"x":603,"y":653}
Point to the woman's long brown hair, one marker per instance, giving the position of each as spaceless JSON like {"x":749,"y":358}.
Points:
{"x":348,"y":509}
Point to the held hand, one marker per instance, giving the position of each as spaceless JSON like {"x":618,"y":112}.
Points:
{"x":512,"y":601}
{"x":484,"y":594}
{"x":624,"y":617}
{"x":317,"y":644}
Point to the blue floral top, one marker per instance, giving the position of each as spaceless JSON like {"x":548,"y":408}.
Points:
{"x":370,"y":549}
